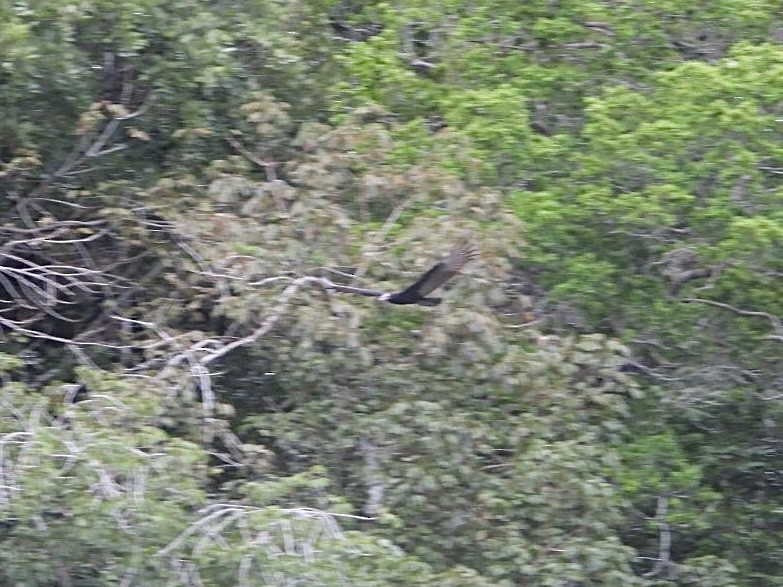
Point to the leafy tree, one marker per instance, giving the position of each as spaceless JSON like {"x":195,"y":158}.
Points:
{"x":186,"y":398}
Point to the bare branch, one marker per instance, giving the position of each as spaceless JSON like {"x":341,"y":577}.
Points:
{"x":269,"y":167}
{"x":388,"y":224}
{"x":586,"y":45}
{"x":775,"y":322}
{"x":215,"y":518}
{"x":663,"y":562}
{"x":601,"y":27}
{"x":82,"y":151}
{"x":271,"y":320}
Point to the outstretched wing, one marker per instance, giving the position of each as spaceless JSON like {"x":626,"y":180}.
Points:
{"x":441,"y":272}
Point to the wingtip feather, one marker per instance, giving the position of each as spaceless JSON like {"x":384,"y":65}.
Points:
{"x":467,"y":249}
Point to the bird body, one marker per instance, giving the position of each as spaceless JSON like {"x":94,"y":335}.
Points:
{"x":417,"y":293}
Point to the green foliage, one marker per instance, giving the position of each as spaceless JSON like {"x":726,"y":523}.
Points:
{"x":474,"y":479}
{"x":675,"y":191}
{"x":183,"y":403}
{"x":101,"y":470}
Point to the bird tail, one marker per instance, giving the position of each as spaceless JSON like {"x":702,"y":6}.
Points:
{"x":429,"y":301}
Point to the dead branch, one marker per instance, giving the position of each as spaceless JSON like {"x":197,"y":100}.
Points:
{"x":663,"y":562}
{"x":775,"y":322}
{"x":282,"y":304}
{"x":269,"y":167}
{"x":388,"y":224}
{"x":86,"y":150}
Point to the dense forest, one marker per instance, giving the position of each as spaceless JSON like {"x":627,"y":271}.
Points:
{"x":186,"y":400}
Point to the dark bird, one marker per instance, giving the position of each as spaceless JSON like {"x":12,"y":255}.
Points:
{"x":417,"y":293}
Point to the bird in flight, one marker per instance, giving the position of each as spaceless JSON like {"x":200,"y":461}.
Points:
{"x":417,"y":293}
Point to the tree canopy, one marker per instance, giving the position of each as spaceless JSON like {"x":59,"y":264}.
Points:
{"x":597,"y":401}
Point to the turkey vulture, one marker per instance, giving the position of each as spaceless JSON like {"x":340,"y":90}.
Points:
{"x":439,"y":274}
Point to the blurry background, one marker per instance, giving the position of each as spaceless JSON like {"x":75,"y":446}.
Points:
{"x":598,"y":400}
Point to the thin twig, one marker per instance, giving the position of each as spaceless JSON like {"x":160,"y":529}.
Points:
{"x":775,"y":322}
{"x":388,"y":224}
